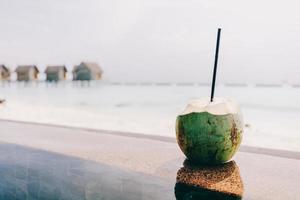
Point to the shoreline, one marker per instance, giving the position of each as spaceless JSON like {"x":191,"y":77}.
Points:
{"x":243,"y":148}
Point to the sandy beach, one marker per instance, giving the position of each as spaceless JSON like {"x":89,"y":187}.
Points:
{"x":152,"y":109}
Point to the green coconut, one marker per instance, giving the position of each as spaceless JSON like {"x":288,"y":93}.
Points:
{"x":210,"y":132}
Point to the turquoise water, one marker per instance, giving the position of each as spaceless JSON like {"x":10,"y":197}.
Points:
{"x":272,"y":114}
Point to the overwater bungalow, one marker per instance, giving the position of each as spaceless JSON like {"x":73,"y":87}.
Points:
{"x":4,"y":73}
{"x":87,"y":71}
{"x":56,"y":73}
{"x":27,"y":73}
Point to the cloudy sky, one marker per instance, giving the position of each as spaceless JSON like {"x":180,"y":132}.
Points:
{"x":157,"y":40}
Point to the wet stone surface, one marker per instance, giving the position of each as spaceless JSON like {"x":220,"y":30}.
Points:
{"x":32,"y":174}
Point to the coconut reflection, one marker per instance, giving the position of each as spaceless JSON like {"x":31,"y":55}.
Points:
{"x":218,"y":182}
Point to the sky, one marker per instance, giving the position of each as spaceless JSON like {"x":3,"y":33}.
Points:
{"x":157,"y":40}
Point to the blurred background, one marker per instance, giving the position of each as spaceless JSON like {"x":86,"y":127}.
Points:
{"x":155,"y":57}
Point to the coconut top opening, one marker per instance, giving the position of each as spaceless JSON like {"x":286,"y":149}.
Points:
{"x":220,"y":106}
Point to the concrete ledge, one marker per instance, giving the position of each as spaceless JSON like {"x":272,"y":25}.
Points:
{"x":243,"y":148}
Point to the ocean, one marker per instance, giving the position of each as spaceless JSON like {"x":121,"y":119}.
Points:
{"x":271,"y":113}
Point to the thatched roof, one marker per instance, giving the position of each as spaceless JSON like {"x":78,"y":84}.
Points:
{"x":4,"y":67}
{"x":26,"y":68}
{"x":55,"y":69}
{"x":94,"y":67}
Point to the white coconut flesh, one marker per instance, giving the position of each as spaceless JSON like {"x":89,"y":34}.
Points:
{"x":220,"y":106}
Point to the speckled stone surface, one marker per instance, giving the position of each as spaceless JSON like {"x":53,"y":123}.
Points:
{"x":218,"y":180}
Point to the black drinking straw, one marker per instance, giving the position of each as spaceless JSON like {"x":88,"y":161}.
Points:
{"x":215,"y":67}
